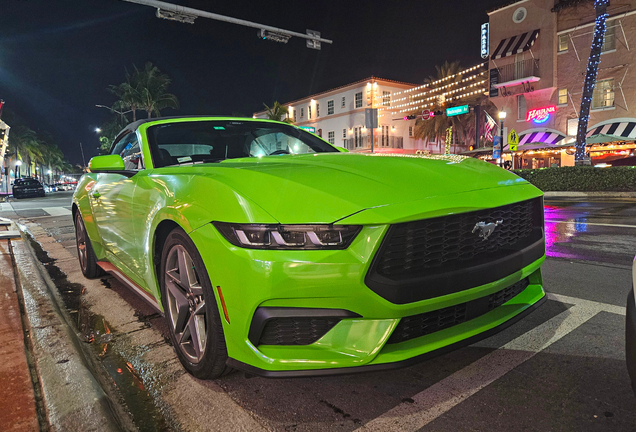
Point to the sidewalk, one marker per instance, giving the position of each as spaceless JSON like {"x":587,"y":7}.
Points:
{"x":17,"y":397}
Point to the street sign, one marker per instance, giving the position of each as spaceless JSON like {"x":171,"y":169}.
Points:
{"x":513,"y":140}
{"x":485,"y":46}
{"x":426,"y":114}
{"x":463,"y":109}
{"x":308,"y":128}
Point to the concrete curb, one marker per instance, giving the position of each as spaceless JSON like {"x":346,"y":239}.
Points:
{"x":73,"y":398}
{"x":559,"y":194}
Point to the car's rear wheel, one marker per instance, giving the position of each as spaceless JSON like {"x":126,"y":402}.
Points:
{"x":85,"y":253}
{"x":191,"y":310}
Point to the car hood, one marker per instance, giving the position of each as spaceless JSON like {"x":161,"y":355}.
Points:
{"x":327,"y":187}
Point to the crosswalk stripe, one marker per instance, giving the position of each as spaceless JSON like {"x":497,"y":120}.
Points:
{"x":5,"y":207}
{"x":57,"y":211}
{"x":456,"y":388}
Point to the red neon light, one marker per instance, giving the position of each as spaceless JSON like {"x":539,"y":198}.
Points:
{"x":540,"y":113}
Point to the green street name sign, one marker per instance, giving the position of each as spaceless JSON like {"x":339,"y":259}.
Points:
{"x":457,"y":110}
{"x":308,"y":128}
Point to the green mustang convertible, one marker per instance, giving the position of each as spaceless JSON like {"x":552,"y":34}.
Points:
{"x":271,"y":251}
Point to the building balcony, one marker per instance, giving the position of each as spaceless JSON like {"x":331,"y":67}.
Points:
{"x":517,"y":73}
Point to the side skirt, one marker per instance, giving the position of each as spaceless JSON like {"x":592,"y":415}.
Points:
{"x":142,"y":293}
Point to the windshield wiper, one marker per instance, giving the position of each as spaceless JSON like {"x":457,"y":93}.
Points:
{"x":210,"y":160}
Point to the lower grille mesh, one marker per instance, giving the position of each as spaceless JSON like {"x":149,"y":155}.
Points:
{"x":295,"y":331}
{"x":430,"y":322}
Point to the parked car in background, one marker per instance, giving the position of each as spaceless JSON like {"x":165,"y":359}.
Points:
{"x":271,"y":251}
{"x":25,"y":187}
{"x":630,"y":330}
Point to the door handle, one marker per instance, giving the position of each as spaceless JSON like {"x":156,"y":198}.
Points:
{"x":96,"y":194}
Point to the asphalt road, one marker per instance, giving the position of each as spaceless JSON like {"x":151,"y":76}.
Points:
{"x":561,"y":368}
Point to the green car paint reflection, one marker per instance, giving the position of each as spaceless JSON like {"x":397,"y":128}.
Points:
{"x":300,"y":281}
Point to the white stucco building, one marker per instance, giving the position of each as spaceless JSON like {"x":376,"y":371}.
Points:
{"x":338,"y":116}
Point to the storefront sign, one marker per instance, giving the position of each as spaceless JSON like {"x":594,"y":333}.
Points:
{"x":463,"y":109}
{"x":308,"y":128}
{"x":485,"y":47}
{"x":540,"y":115}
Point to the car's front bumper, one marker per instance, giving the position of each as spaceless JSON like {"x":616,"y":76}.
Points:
{"x":251,"y":279}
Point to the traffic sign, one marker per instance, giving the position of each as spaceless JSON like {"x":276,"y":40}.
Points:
{"x":513,"y":140}
{"x":426,"y":114}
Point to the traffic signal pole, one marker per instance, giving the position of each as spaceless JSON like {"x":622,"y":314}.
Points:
{"x":187,"y":15}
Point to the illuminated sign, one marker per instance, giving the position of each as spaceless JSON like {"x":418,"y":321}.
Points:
{"x":485,"y":46}
{"x":308,"y":128}
{"x":463,"y":109}
{"x":540,"y":115}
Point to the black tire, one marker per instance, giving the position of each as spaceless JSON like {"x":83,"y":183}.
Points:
{"x":85,"y":253}
{"x":203,"y":357}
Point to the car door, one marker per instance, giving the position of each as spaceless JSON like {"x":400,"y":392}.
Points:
{"x":112,"y":204}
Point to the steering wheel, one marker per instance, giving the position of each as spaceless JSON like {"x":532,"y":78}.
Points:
{"x":278,"y":152}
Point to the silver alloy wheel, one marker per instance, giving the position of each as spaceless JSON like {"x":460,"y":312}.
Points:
{"x":186,"y":305}
{"x":80,"y":236}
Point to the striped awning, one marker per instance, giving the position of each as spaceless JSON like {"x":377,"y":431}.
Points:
{"x":547,"y":137}
{"x":622,"y":130}
{"x":515,"y":45}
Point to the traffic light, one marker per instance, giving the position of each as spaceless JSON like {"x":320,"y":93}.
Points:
{"x":410,"y":117}
{"x":438,"y":113}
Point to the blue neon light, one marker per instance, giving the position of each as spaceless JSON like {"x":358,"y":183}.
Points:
{"x":543,"y":120}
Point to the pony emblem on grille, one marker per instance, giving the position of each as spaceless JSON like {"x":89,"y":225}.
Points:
{"x":486,"y":229}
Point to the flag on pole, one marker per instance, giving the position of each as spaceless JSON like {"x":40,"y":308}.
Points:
{"x":489,"y":128}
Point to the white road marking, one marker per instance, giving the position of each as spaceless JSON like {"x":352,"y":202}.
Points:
{"x":57,"y":211}
{"x":591,"y":223}
{"x":5,"y":207}
{"x":454,"y":389}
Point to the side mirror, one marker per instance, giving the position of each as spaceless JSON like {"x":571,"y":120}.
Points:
{"x":106,"y":163}
{"x":342,"y":149}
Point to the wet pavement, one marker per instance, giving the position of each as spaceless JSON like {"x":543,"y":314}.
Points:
{"x":561,"y":368}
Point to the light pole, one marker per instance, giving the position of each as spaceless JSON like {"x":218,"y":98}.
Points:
{"x":502,"y":117}
{"x":50,"y":172}
{"x":17,"y":170}
{"x":83,"y":160}
{"x":114,"y":110}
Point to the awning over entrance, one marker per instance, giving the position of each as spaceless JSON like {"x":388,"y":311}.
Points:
{"x":620,"y":130}
{"x":515,"y":45}
{"x":546,"y":136}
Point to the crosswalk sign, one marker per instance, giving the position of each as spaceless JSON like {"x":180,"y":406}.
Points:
{"x":513,"y":140}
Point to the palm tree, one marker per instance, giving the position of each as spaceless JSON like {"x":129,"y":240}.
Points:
{"x":152,"y":85}
{"x":278,"y":112}
{"x":128,"y":95}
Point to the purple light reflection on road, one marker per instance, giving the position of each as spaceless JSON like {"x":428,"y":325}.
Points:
{"x":560,"y":229}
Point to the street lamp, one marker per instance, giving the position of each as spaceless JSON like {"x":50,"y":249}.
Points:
{"x":98,"y":130}
{"x":502,"y":117}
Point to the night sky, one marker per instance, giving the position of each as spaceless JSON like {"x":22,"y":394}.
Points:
{"x":57,"y":57}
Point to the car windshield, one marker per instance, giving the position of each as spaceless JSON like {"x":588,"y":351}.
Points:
{"x":214,"y":141}
{"x":28,"y":182}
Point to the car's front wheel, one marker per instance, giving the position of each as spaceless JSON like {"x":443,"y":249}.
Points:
{"x":191,"y":309}
{"x":85,"y":253}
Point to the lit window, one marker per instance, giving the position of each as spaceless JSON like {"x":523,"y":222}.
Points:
{"x":330,"y":107}
{"x":521,"y":107}
{"x":344,"y":133}
{"x":331,"y":137}
{"x":386,"y":98}
{"x":610,"y":37}
{"x":359,"y":100}
{"x":573,"y":125}
{"x":603,"y":94}
{"x":344,"y":102}
{"x":563,"y":43}
{"x":563,"y":96}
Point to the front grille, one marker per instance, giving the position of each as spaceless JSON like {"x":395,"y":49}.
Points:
{"x":295,"y":331}
{"x":430,"y":322}
{"x":444,"y":242}
{"x":438,"y":256}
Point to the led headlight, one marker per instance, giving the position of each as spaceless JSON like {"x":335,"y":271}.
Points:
{"x":256,"y":236}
